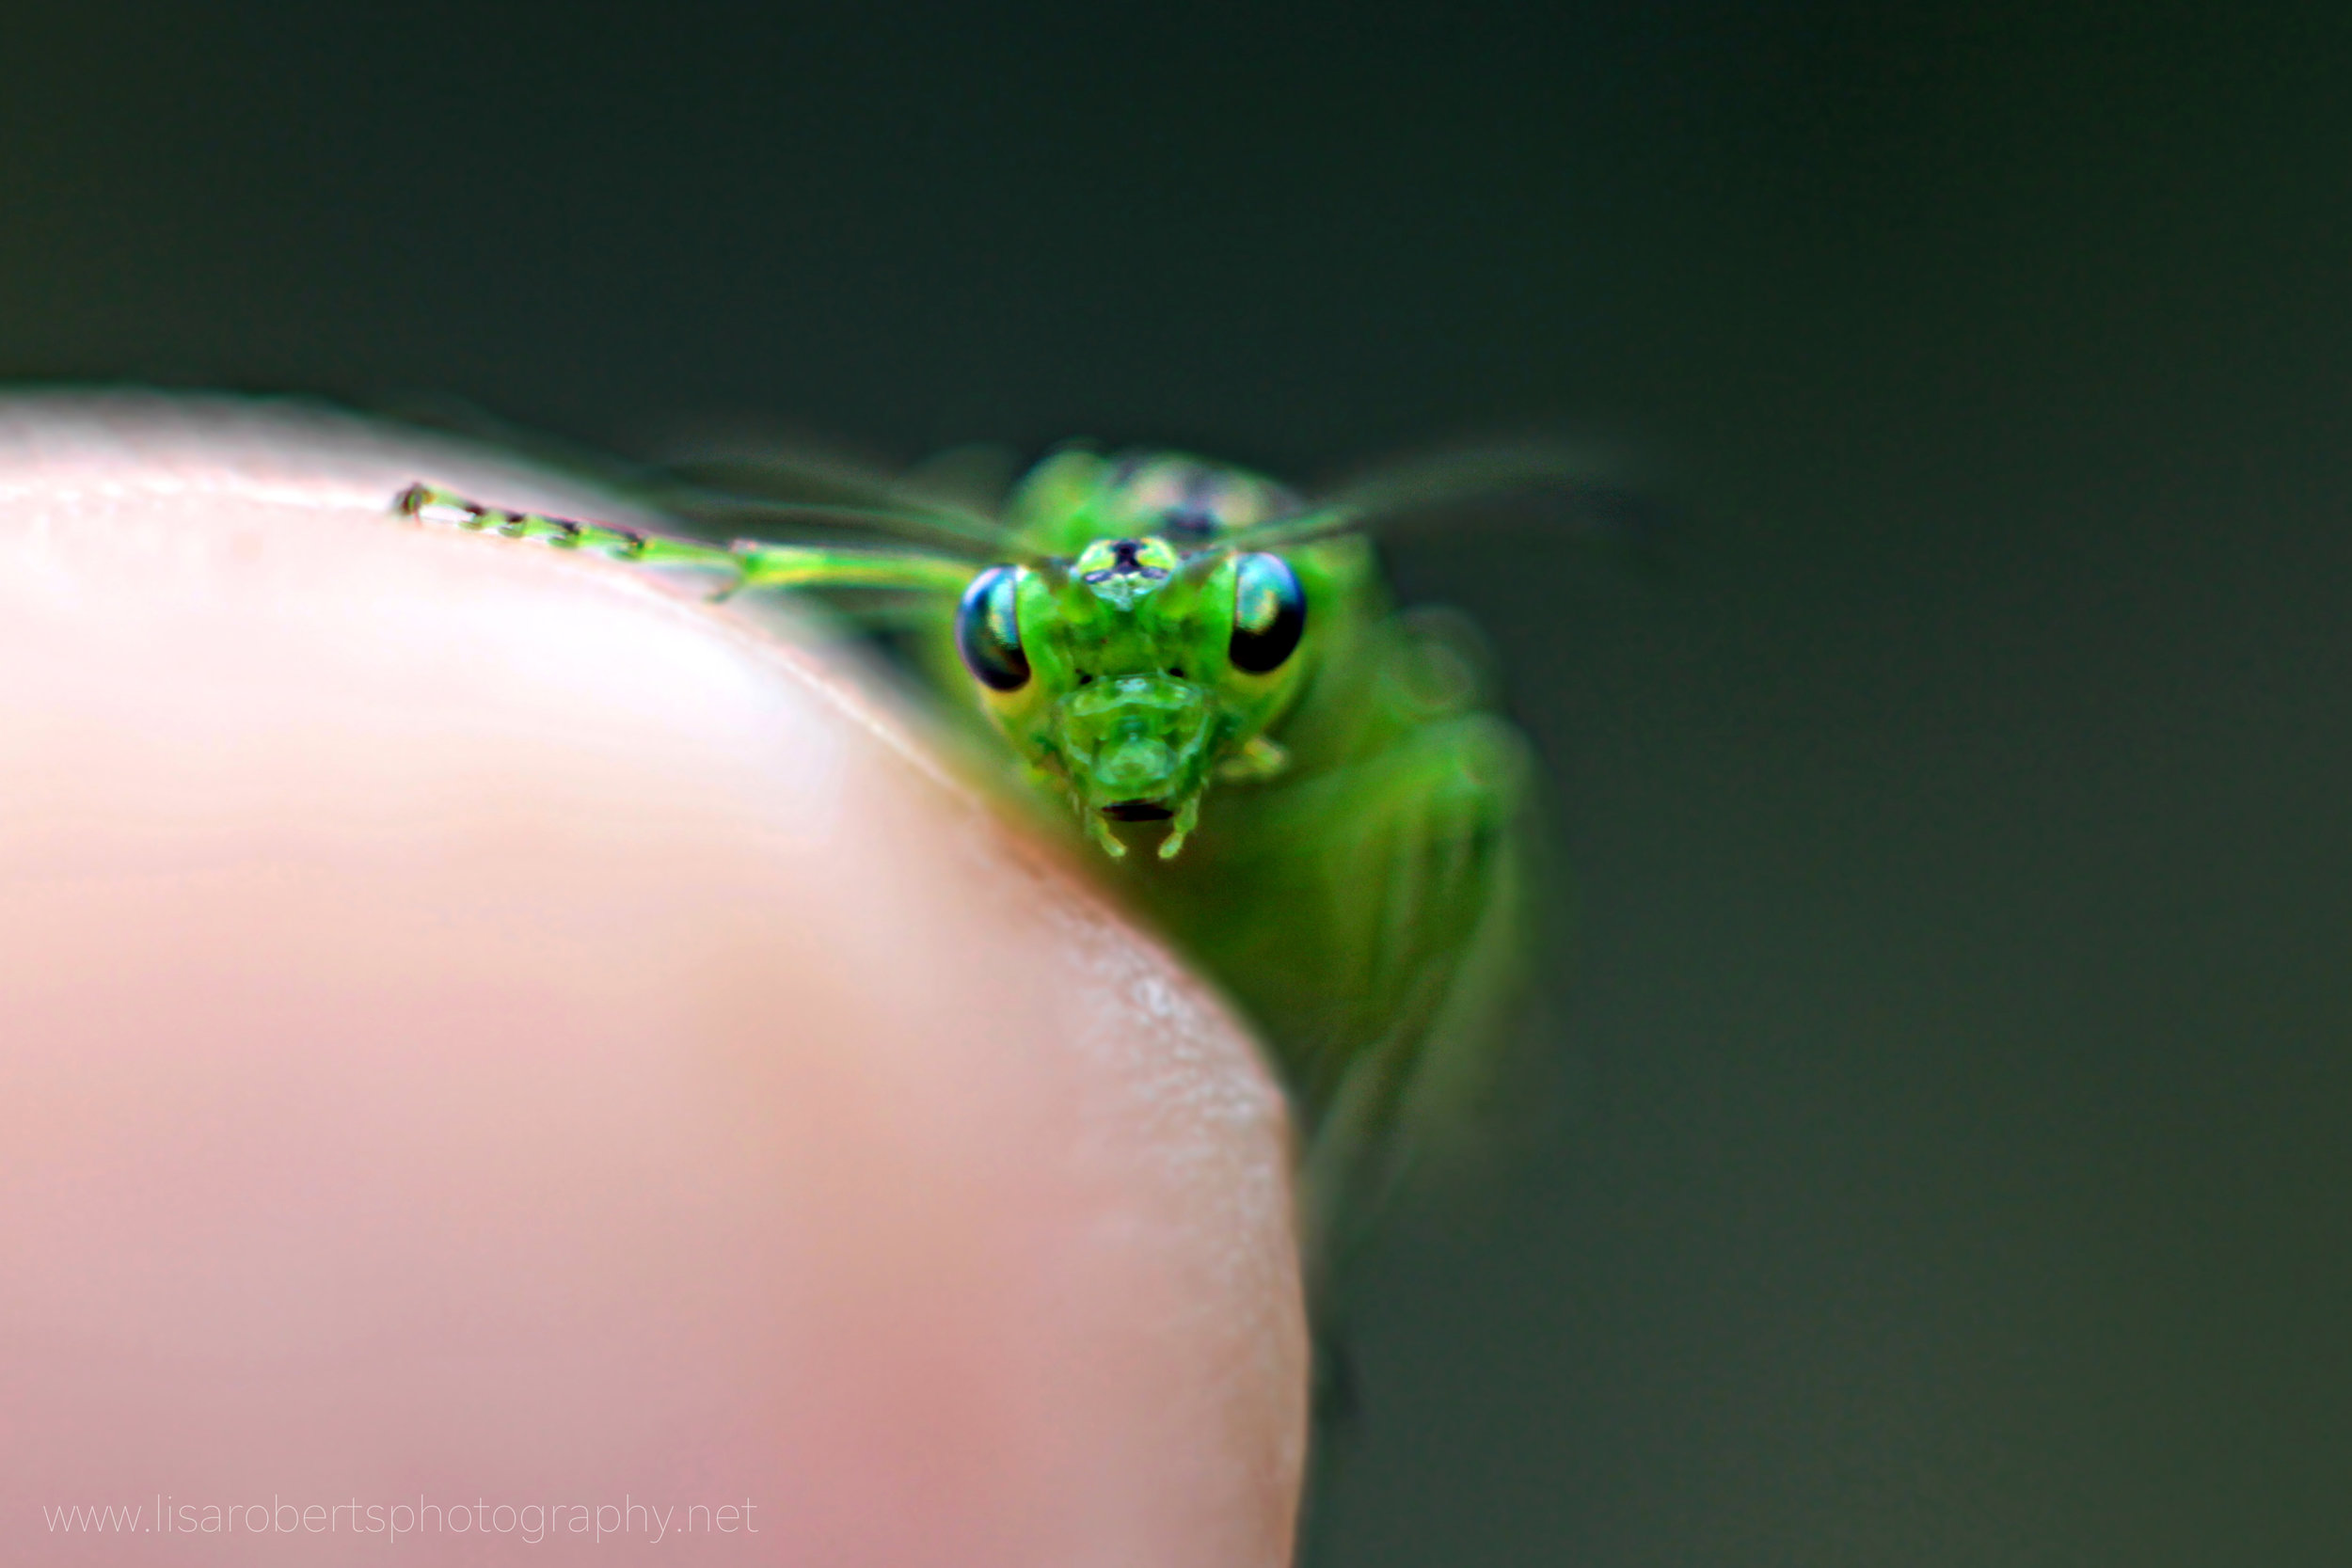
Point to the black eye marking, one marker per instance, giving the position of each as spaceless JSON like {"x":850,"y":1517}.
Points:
{"x":988,"y":631}
{"x":1270,"y":614}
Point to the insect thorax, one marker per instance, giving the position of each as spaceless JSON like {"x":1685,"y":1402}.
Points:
{"x":1077,"y":496}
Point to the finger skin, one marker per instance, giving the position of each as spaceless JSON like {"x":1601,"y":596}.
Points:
{"x":479,"y":1026}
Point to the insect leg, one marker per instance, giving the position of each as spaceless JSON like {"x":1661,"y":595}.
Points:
{"x":1422,"y":863}
{"x":1395,"y":920}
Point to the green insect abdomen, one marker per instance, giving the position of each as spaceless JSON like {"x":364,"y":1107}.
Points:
{"x":1367,"y":906}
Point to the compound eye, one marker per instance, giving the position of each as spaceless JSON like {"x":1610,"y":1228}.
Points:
{"x":988,"y":631}
{"x":1270,"y":614}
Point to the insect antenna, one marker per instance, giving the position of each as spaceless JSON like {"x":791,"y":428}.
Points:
{"x":752,"y":565}
{"x":1418,"y":494}
{"x":787,"y":489}
{"x":721,"y":514}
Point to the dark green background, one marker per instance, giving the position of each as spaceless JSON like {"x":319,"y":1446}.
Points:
{"x":1948,"y":1163}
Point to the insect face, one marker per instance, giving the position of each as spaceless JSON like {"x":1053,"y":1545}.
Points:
{"x":1137,"y":747}
{"x":1132,"y":676}
{"x":1135,"y":733}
